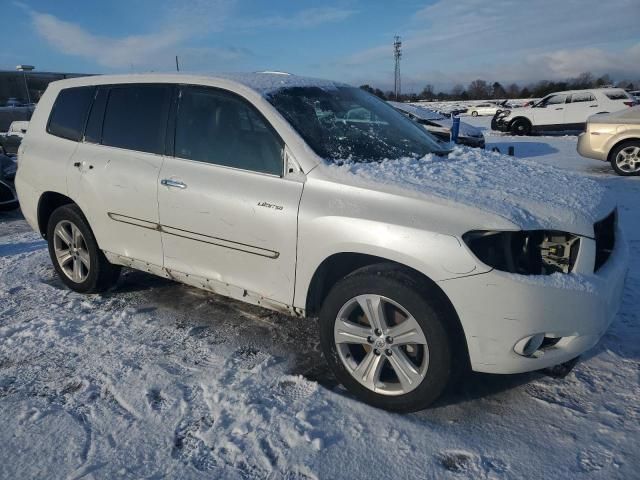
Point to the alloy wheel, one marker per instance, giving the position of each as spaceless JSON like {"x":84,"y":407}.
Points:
{"x":71,"y":251}
{"x":381,"y":345}
{"x":628,"y":159}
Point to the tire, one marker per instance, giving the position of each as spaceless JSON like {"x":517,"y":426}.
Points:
{"x":521,"y":126}
{"x":75,"y":254}
{"x":8,"y":199}
{"x":400,"y":293}
{"x":474,"y":114}
{"x":625,"y":158}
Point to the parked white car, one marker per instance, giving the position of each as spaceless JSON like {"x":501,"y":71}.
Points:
{"x":484,"y":109}
{"x":562,"y":111}
{"x":269,"y":189}
{"x":614,"y":138}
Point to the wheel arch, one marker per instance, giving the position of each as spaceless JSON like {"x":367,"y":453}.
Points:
{"x":620,"y":142}
{"x":520,"y":117}
{"x":47,"y":203}
{"x":339,"y":265}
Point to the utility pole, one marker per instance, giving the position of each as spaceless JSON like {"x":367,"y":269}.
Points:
{"x":177,"y":64}
{"x":397,"y":54}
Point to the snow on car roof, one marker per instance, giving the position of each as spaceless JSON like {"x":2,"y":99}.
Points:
{"x":420,"y":112}
{"x":268,"y":82}
{"x":263,"y":83}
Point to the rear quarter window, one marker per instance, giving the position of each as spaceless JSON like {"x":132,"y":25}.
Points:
{"x":617,"y":95}
{"x":69,"y":112}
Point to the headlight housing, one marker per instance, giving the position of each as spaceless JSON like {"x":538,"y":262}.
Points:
{"x":504,"y":113}
{"x":532,"y":252}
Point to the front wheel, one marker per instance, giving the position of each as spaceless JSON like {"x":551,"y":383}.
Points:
{"x":474,"y":114}
{"x":384,"y":334}
{"x":520,"y":126}
{"x":625,"y":158}
{"x":75,"y":254}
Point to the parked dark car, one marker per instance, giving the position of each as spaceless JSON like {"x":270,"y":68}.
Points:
{"x":8,"y":167}
{"x":439,"y":125}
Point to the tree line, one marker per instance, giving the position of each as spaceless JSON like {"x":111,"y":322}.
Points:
{"x":483,"y":90}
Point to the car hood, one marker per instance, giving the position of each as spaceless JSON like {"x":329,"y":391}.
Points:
{"x":526,"y":194}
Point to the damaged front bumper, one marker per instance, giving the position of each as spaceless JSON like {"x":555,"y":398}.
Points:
{"x":518,"y":323}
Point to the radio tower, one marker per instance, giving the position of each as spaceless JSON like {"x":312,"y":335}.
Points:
{"x":397,"y":54}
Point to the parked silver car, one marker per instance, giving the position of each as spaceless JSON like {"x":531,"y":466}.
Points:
{"x":614,"y":138}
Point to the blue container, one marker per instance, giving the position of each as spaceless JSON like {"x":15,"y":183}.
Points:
{"x":455,"y":129}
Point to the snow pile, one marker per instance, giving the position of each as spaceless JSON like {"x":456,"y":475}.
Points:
{"x":528,"y":194}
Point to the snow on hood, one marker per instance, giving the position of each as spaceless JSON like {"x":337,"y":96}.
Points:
{"x":438,"y":118}
{"x":420,"y":112}
{"x":529,"y":195}
{"x":466,"y":130}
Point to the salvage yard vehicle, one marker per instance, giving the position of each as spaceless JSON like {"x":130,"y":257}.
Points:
{"x":484,"y":109}
{"x":10,"y":140}
{"x":562,"y":111}
{"x":439,"y":125}
{"x":8,"y":198}
{"x":614,"y":138}
{"x":314,"y":198}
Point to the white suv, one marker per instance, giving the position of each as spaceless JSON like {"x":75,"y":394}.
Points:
{"x":562,"y":111}
{"x":314,"y":198}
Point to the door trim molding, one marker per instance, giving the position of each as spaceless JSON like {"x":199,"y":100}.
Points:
{"x":198,"y":237}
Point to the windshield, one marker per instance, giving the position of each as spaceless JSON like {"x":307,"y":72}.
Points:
{"x":349,"y":124}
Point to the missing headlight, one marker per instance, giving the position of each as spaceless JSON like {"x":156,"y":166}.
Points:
{"x":534,"y":252}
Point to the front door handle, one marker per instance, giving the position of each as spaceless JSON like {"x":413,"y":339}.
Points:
{"x":173,"y":183}
{"x":561,"y":108}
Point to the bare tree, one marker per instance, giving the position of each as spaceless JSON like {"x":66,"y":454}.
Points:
{"x":478,"y":90}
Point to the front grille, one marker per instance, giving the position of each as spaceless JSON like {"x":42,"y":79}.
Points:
{"x":605,"y":235}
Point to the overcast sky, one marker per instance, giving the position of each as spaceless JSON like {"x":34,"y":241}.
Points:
{"x":445,"y":41}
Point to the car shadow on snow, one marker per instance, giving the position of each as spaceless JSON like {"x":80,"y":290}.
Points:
{"x":10,"y":249}
{"x":243,"y":327}
{"x":524,"y":149}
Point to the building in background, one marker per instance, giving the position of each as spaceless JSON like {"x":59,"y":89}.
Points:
{"x":20,"y":90}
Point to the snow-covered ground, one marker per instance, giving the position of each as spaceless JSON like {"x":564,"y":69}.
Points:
{"x":160,"y":380}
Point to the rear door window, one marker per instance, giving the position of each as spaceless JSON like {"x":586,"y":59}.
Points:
{"x":219,"y":127}
{"x":582,"y":97}
{"x":70,"y":111}
{"x":136,"y":117}
{"x":617,"y":95}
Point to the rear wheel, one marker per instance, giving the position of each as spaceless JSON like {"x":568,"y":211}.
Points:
{"x":74,"y":252}
{"x":521,"y":126}
{"x":384,"y":334}
{"x":474,"y":113}
{"x":625,"y":158}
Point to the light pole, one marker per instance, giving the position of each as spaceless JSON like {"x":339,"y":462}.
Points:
{"x":24,"y":69}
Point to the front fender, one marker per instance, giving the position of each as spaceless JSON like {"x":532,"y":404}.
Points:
{"x":438,"y":256}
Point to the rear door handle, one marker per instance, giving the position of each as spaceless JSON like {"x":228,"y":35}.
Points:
{"x":173,"y":183}
{"x":561,"y":108}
